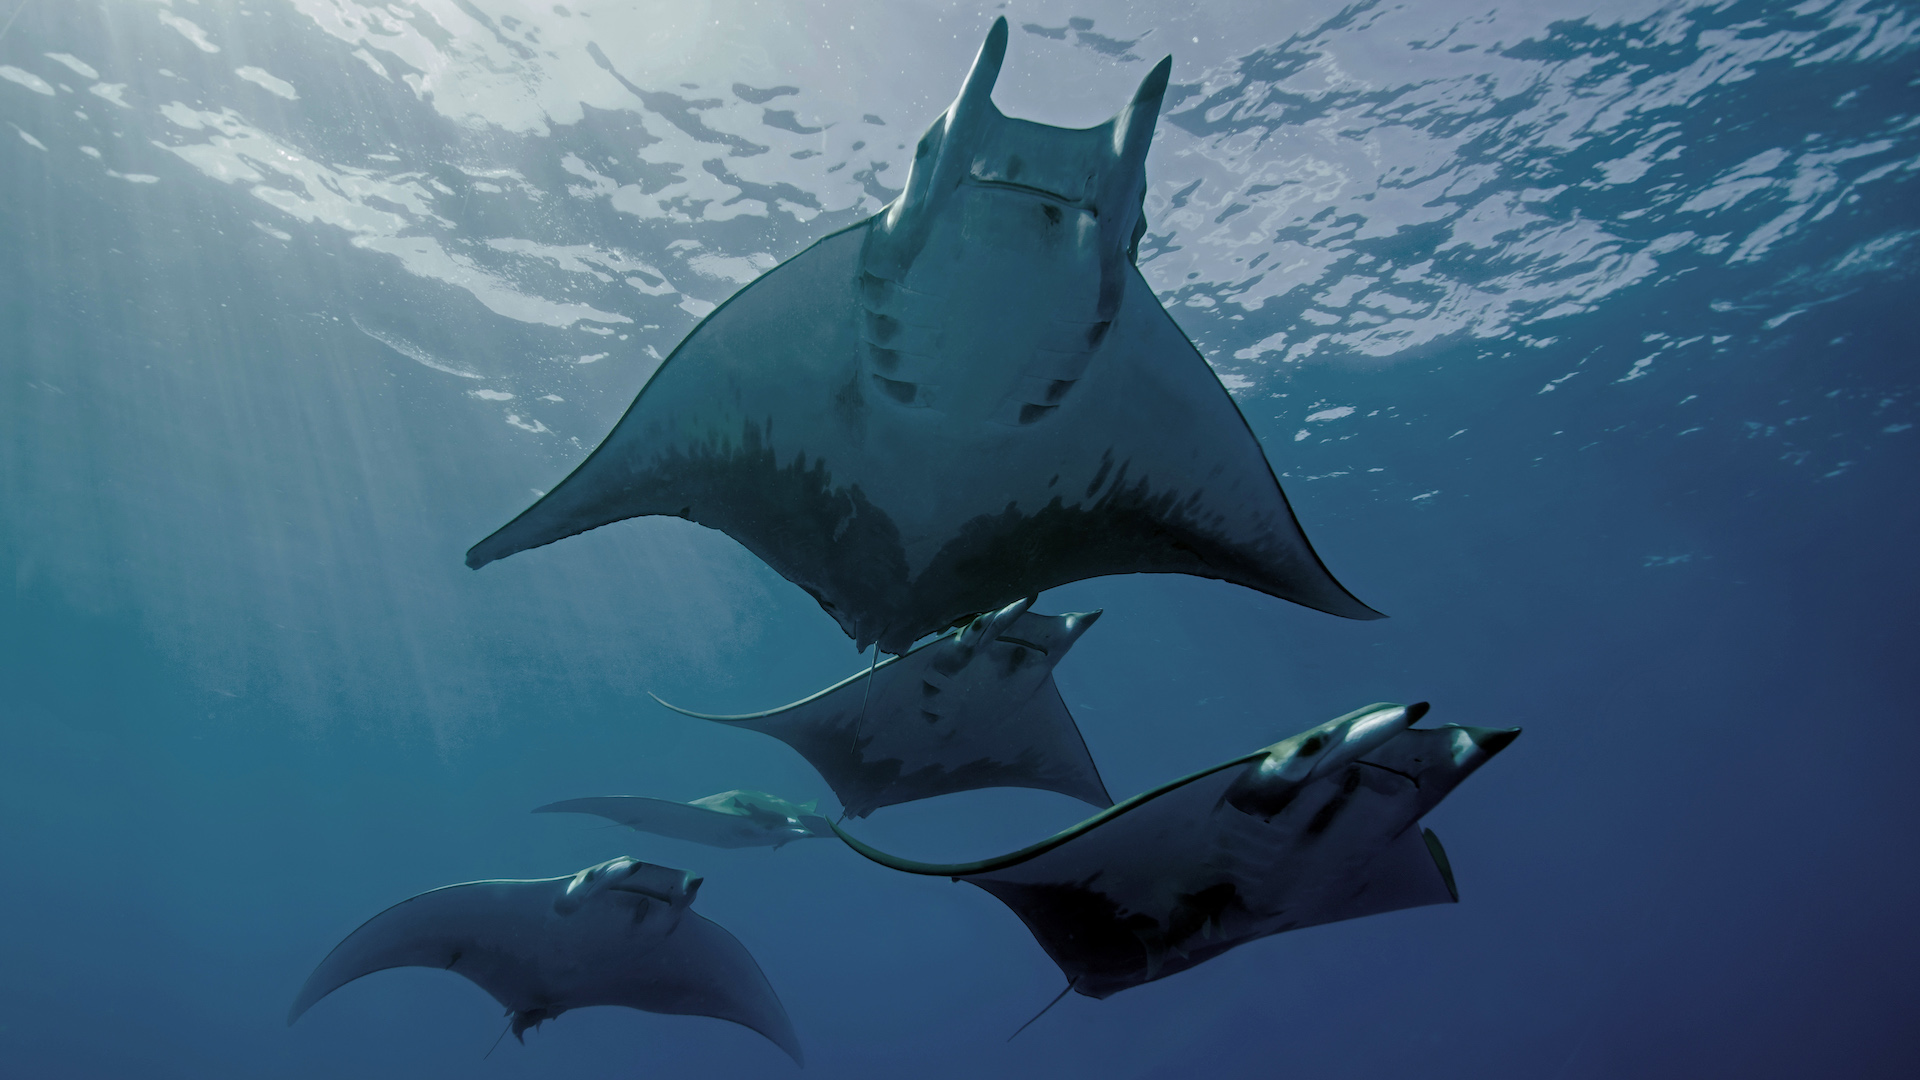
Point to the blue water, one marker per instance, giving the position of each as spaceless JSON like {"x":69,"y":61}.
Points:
{"x":1581,"y":337}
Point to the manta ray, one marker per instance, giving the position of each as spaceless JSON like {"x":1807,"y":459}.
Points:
{"x":976,"y":707}
{"x":966,"y":399}
{"x":730,"y":819}
{"x":1317,"y":828}
{"x":619,"y":933}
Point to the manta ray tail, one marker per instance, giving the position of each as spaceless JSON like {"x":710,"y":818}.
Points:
{"x":865,"y":700}
{"x":500,"y":1038}
{"x":1071,"y":983}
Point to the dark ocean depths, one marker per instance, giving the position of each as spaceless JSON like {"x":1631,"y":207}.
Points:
{"x":1580,"y":332}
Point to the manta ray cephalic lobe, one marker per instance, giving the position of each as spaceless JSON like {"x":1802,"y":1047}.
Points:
{"x":969,"y":398}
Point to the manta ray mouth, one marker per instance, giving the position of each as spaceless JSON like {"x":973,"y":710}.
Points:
{"x":1038,"y":193}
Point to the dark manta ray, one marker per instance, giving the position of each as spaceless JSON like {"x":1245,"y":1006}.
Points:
{"x":976,"y":707}
{"x":1317,"y":828}
{"x":966,"y":399}
{"x":620,"y":933}
{"x":731,"y":819}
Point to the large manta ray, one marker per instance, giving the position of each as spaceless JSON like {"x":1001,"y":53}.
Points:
{"x":620,"y":933}
{"x":976,"y":707}
{"x":1317,"y":828}
{"x":966,"y":399}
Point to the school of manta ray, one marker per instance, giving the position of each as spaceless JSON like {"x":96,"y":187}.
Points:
{"x":926,"y":420}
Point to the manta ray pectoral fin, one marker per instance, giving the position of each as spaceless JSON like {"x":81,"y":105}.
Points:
{"x":958,"y":871}
{"x":1045,"y":717}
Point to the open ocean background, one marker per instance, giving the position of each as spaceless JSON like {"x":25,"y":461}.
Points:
{"x":1580,"y":331}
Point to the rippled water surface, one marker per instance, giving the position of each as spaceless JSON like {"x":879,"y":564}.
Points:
{"x":1578,"y":331}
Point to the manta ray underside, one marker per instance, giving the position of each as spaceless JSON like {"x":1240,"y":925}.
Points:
{"x":1317,"y":828}
{"x":976,"y":707}
{"x":620,"y":933}
{"x":964,"y":400}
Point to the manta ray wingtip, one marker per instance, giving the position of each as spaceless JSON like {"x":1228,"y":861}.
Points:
{"x":986,"y":66}
{"x":1493,"y":740}
{"x":1154,"y":87}
{"x":1349,"y":606}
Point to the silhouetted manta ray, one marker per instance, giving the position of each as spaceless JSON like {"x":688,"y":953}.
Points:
{"x":731,"y":819}
{"x":966,"y":399}
{"x":1317,"y":828}
{"x":620,"y":933}
{"x":976,"y":707}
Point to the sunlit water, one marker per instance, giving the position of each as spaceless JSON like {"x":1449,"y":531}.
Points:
{"x":1579,"y":333}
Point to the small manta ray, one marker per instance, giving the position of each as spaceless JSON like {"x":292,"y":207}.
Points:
{"x":976,"y":707}
{"x":1314,"y":829}
{"x":731,"y":819}
{"x":620,"y":933}
{"x":968,"y":398}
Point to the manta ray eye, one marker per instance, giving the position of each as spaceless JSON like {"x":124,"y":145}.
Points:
{"x":1312,"y":744}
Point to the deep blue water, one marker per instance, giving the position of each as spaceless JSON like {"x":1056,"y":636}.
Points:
{"x":1618,"y":297}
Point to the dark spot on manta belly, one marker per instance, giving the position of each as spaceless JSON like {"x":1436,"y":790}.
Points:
{"x":1323,"y":818}
{"x":788,"y":512}
{"x":1098,"y":948}
{"x":1105,"y":950}
{"x":1129,"y":529}
{"x":1100,"y":477}
{"x":788,"y":515}
{"x":851,"y":409}
{"x":1016,"y":659}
